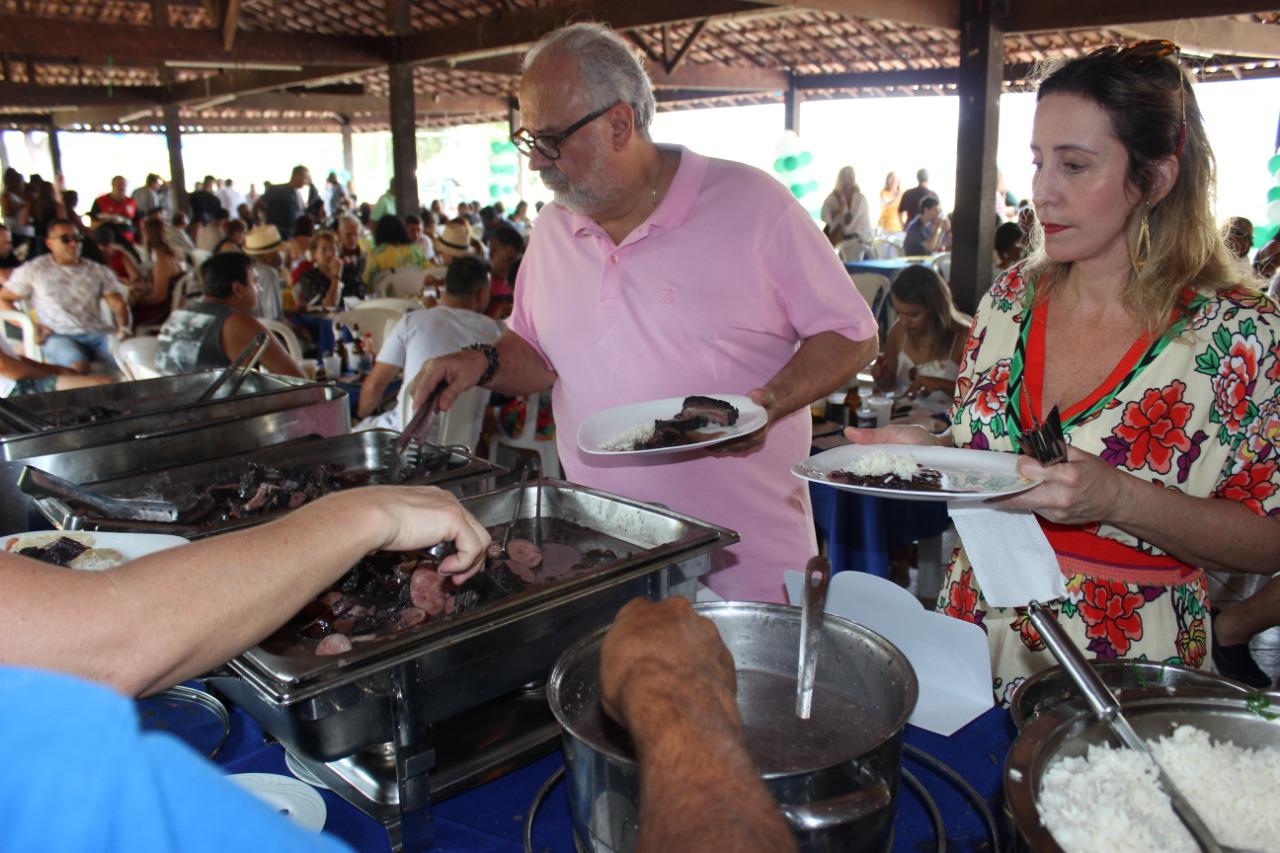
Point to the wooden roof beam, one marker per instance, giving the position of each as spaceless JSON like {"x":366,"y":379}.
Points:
{"x":938,"y":14}
{"x":1212,"y":36}
{"x":233,"y":84}
{"x":230,"y":21}
{"x":124,"y":44}
{"x":506,"y":32}
{"x":1036,"y":15}
{"x":33,"y":97}
{"x":701,"y":76}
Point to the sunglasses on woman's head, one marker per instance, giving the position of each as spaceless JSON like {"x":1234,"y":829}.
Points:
{"x":1141,"y":52}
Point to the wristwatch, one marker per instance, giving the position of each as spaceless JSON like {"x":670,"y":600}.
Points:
{"x":491,"y":354}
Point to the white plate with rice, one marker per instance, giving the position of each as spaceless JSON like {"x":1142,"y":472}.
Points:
{"x":615,"y":432}
{"x":106,"y":549}
{"x":966,"y":475}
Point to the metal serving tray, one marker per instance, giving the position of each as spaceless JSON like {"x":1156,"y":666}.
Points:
{"x":329,"y":707}
{"x":141,"y":397}
{"x":151,"y":441}
{"x":458,"y":470}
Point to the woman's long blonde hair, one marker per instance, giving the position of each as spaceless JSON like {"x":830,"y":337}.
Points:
{"x":1144,"y":97}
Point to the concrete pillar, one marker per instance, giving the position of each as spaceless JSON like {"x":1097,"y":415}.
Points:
{"x":792,"y":98}
{"x":348,"y":158}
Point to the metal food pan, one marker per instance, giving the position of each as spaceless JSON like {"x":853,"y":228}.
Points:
{"x":372,"y":450}
{"x":141,"y":397}
{"x":330,"y":707}
{"x":131,"y":445}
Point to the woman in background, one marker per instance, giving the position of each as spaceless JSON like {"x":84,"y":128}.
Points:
{"x":922,"y":351}
{"x":890,"y":195}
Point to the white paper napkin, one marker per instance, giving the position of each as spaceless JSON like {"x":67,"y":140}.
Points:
{"x":1011,"y":557}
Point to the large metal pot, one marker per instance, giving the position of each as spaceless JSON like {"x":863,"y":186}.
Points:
{"x":835,"y":776}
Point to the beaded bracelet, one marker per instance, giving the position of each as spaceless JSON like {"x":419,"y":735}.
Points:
{"x":491,"y":354}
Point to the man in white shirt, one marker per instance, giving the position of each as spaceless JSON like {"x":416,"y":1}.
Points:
{"x":230,"y":197}
{"x":421,"y":335}
{"x":66,"y":292}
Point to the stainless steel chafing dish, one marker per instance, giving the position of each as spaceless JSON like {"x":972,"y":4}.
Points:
{"x":453,"y":468}
{"x":269,"y":410}
{"x":456,"y":700}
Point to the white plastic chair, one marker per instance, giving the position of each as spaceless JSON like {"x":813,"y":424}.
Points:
{"x":30,"y":340}
{"x":882,"y":249}
{"x":460,"y":425}
{"x":287,"y":337}
{"x":137,"y":357}
{"x":852,"y":249}
{"x":546,"y":450}
{"x":374,"y":320}
{"x":393,"y":302}
{"x":404,"y":282}
{"x":942,"y":263}
{"x":873,"y":287}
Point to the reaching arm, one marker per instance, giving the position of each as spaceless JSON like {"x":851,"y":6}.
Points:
{"x":668,"y":678}
{"x":120,"y":309}
{"x":374,"y":386}
{"x":521,"y":371}
{"x":172,"y":615}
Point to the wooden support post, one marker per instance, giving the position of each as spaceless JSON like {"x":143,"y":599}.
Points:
{"x":4,"y":154}
{"x":981,"y":59}
{"x":177,"y":173}
{"x":791,"y":105}
{"x":404,"y":146}
{"x":348,"y":157}
{"x":55,"y":155}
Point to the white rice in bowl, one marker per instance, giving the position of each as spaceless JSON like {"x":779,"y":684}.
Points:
{"x":1110,"y":800}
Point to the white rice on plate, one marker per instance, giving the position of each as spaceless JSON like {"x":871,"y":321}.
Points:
{"x":879,"y":462}
{"x":1110,"y":800}
{"x":629,"y":439}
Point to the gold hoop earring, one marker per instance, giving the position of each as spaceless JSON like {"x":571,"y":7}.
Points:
{"x":1143,"y":244}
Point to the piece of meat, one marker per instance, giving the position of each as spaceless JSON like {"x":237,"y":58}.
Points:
{"x":558,"y":561}
{"x":412,"y":616}
{"x":523,"y":554}
{"x":426,"y":591}
{"x":59,"y":552}
{"x":715,"y":411}
{"x":334,"y":644}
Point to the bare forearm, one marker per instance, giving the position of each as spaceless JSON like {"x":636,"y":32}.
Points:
{"x":699,"y":790}
{"x":373,"y":387}
{"x":821,"y":365}
{"x":171,"y":616}
{"x":521,"y":370}
{"x":1211,"y":533}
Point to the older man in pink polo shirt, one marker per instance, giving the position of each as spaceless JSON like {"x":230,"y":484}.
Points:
{"x":660,"y":273}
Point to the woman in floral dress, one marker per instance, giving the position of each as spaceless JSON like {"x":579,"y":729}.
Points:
{"x":1162,"y":356}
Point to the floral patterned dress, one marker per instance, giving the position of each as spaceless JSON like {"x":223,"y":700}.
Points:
{"x":1196,"y":410}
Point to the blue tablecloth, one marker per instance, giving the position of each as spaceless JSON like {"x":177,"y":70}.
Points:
{"x":490,"y":818}
{"x":860,"y":530}
{"x":887,"y":267}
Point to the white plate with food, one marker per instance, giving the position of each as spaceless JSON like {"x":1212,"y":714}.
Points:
{"x":672,"y":425}
{"x":102,"y":549}
{"x":914,"y":473}
{"x":295,"y":800}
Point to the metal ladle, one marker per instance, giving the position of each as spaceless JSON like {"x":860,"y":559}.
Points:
{"x":1107,"y":709}
{"x":817,"y":577}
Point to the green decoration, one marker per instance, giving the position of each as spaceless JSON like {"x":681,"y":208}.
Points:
{"x":1262,"y":235}
{"x":1273,"y":194}
{"x":1273,"y":165}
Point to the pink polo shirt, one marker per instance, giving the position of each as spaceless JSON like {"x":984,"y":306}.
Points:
{"x":711,"y":295}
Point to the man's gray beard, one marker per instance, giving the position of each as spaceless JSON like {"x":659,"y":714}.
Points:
{"x":580,"y":200}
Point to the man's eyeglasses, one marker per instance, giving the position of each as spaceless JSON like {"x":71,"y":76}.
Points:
{"x":1142,"y":52}
{"x":548,"y":144}
{"x":70,"y":238}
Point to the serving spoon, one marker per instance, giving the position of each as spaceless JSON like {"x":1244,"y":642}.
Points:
{"x":1108,"y":710}
{"x":817,"y":577}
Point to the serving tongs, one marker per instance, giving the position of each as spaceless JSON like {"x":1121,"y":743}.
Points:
{"x":20,"y":419}
{"x":42,"y":484}
{"x":529,"y":467}
{"x":817,"y":578}
{"x":1107,"y":709}
{"x":408,"y":446}
{"x":243,"y":363}
{"x":1046,"y":440}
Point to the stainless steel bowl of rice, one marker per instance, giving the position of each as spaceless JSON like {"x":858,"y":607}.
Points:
{"x":1052,"y":687}
{"x":1070,"y":787}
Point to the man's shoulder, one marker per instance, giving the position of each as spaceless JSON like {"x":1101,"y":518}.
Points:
{"x":741,"y":177}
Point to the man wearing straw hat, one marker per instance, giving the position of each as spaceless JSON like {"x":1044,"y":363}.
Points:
{"x":636,"y":286}
{"x":263,"y":244}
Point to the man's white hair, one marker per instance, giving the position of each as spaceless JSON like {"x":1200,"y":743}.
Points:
{"x":610,"y":69}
